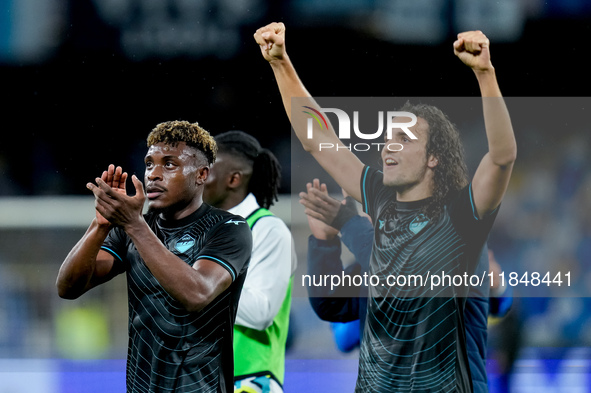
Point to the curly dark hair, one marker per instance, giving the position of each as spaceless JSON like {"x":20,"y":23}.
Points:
{"x":444,"y":143}
{"x":266,"y":170}
{"x":173,"y":132}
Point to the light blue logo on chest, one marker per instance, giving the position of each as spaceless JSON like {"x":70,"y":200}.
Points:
{"x":184,"y":243}
{"x":418,"y":223}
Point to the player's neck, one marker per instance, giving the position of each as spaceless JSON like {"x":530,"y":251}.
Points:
{"x":179,"y":212}
{"x":417,"y":192}
{"x":233,"y":199}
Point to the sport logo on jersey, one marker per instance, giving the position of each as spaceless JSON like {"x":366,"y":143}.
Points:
{"x":418,"y":223}
{"x":184,"y":243}
{"x":235,"y":222}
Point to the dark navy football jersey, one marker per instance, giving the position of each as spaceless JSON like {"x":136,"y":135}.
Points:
{"x":414,"y":337}
{"x":170,"y":349}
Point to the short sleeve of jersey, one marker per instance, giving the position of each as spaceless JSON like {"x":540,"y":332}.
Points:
{"x":373,"y":190}
{"x":466,"y":220}
{"x":116,"y":245}
{"x":470,"y":227}
{"x":230,"y":245}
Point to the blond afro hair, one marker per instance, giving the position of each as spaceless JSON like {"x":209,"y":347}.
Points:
{"x":173,"y":132}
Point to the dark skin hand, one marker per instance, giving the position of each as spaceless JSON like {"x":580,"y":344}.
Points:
{"x":114,"y":205}
{"x":194,"y":287}
{"x":179,"y":182}
{"x":87,"y":266}
{"x":115,"y":178}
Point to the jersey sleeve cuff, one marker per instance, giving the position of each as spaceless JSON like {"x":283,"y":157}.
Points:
{"x":225,"y":265}
{"x":113,"y":253}
{"x":473,"y":206}
{"x":364,"y":189}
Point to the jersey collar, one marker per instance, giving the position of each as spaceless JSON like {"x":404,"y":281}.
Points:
{"x":246,"y":207}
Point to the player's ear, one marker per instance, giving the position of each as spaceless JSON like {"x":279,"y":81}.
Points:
{"x":201,"y":175}
{"x":235,"y":179}
{"x":432,"y":161}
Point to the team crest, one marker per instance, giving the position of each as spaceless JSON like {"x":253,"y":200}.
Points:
{"x":418,"y":223}
{"x":184,"y":243}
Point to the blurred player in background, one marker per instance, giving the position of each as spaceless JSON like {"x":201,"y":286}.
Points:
{"x":185,"y":263}
{"x":245,"y":181}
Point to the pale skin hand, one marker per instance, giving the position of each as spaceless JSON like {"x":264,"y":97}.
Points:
{"x":271,"y":40}
{"x":472,"y":48}
{"x":320,"y":210}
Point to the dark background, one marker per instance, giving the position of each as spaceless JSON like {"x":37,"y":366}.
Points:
{"x":89,"y":101}
{"x":84,"y":82}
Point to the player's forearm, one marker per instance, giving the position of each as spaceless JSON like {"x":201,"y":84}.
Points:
{"x":180,"y":280}
{"x":499,"y":130}
{"x":76,"y":272}
{"x":291,"y":87}
{"x":340,"y":304}
{"x":357,"y":235}
{"x":288,"y":82}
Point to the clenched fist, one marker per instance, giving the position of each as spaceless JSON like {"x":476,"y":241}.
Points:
{"x":271,"y":39}
{"x":472,"y":47}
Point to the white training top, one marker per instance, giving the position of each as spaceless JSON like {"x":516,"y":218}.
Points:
{"x":270,"y":268}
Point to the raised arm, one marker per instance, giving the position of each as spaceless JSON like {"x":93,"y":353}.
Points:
{"x":492,"y":176}
{"x":87,"y":266}
{"x":342,"y":165}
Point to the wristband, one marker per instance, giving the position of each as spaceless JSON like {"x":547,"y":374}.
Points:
{"x":346,"y":211}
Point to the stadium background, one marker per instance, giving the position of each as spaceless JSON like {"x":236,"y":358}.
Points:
{"x":84,"y":81}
